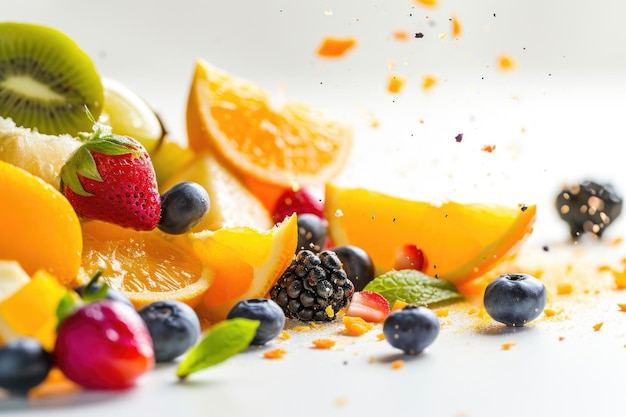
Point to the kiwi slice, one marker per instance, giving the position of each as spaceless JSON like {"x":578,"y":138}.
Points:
{"x":46,"y":80}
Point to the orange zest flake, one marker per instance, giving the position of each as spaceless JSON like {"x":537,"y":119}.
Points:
{"x":507,"y":345}
{"x":284,"y":335}
{"x":274,"y":353}
{"x":323,"y":343}
{"x":301,"y":329}
{"x":488,"y":148}
{"x":564,"y":288}
{"x":356,"y":326}
{"x":427,"y":3}
{"x":619,"y":277}
{"x":622,"y":306}
{"x":380,"y":336}
{"x":597,"y":326}
{"x":401,"y":35}
{"x":549,"y":312}
{"x":505,"y":63}
{"x":428,"y":82}
{"x":398,"y":364}
{"x":456,"y":27}
{"x":334,"y":47}
{"x":395,"y":84}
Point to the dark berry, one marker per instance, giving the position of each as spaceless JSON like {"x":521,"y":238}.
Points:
{"x":173,"y":326}
{"x":589,"y":207}
{"x":314,"y":287}
{"x":312,"y":232}
{"x":411,"y":329}
{"x":182,"y":207}
{"x":515,"y":299}
{"x":303,"y":200}
{"x":111,"y":294}
{"x":270,"y":315}
{"x":357,"y":263}
{"x":24,"y":364}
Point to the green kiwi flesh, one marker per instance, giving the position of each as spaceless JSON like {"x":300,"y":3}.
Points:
{"x":46,"y":80}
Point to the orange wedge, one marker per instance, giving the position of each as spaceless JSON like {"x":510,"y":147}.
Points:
{"x":247,"y":263}
{"x":234,"y":119}
{"x":144,"y":266}
{"x":38,"y":226}
{"x":459,"y":241}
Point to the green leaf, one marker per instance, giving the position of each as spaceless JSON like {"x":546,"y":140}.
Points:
{"x":67,"y":305}
{"x":222,"y":341}
{"x":413,"y":287}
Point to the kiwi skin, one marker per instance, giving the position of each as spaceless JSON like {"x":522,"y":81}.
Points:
{"x":47,"y":80}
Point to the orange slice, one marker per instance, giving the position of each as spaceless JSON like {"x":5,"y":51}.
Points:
{"x":234,"y":119}
{"x":247,"y":263}
{"x":459,"y":241}
{"x":38,"y":226}
{"x":144,"y":266}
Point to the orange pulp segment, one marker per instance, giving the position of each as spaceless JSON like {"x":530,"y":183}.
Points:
{"x":38,"y":226}
{"x":247,"y":263}
{"x":460,"y":241}
{"x":144,"y":266}
{"x":234,"y":119}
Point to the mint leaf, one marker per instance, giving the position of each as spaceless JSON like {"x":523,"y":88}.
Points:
{"x":413,"y":287}
{"x":222,"y":341}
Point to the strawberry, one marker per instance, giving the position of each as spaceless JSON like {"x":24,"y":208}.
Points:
{"x":368,"y":305}
{"x":111,"y":178}
{"x":410,"y":257}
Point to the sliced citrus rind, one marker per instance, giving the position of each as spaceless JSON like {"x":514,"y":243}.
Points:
{"x":232,"y":117}
{"x":246,"y":261}
{"x":144,"y":266}
{"x":460,"y":241}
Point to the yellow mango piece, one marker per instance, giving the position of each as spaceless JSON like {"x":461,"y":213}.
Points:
{"x":31,"y":310}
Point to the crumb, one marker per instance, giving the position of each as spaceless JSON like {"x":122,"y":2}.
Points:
{"x":323,"y":343}
{"x":456,"y":27}
{"x":597,"y":326}
{"x":459,"y":137}
{"x":395,"y":84}
{"x":428,"y":82}
{"x":564,"y":288}
{"x":274,"y":354}
{"x":505,"y":63}
{"x":341,"y":401}
{"x":561,"y":338}
{"x":356,"y":326}
{"x":333,"y":47}
{"x":507,"y":346}
{"x":419,"y":35}
{"x":397,"y":364}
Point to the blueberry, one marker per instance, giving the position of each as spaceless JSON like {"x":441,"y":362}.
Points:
{"x":267,"y":311}
{"x":515,"y":299}
{"x":24,"y":364}
{"x":411,"y":329}
{"x":173,"y":326}
{"x":182,"y":207}
{"x":312,"y":232}
{"x":111,"y":294}
{"x":357,"y":263}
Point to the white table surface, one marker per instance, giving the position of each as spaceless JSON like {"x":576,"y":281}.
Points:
{"x":558,"y":117}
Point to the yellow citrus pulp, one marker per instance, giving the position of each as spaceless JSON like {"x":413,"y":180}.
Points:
{"x":144,"y":266}
{"x":38,"y":226}
{"x":459,"y":241}
{"x":247,"y":262}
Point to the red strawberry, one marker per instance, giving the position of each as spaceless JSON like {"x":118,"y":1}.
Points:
{"x":368,"y":305}
{"x":111,"y":178}
{"x":410,"y":257}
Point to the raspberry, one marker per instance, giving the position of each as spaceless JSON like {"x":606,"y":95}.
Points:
{"x":314,"y":287}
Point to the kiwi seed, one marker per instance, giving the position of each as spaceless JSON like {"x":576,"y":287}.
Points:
{"x":46,"y":80}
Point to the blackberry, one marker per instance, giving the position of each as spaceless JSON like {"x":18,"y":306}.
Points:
{"x":588,"y":207}
{"x":314,"y":287}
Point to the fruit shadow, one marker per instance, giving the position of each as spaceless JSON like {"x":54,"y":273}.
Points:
{"x":73,"y":399}
{"x":499,"y":329}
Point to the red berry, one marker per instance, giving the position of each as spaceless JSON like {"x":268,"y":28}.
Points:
{"x":104,"y":345}
{"x":410,"y":257}
{"x":368,"y":305}
{"x":303,"y":200}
